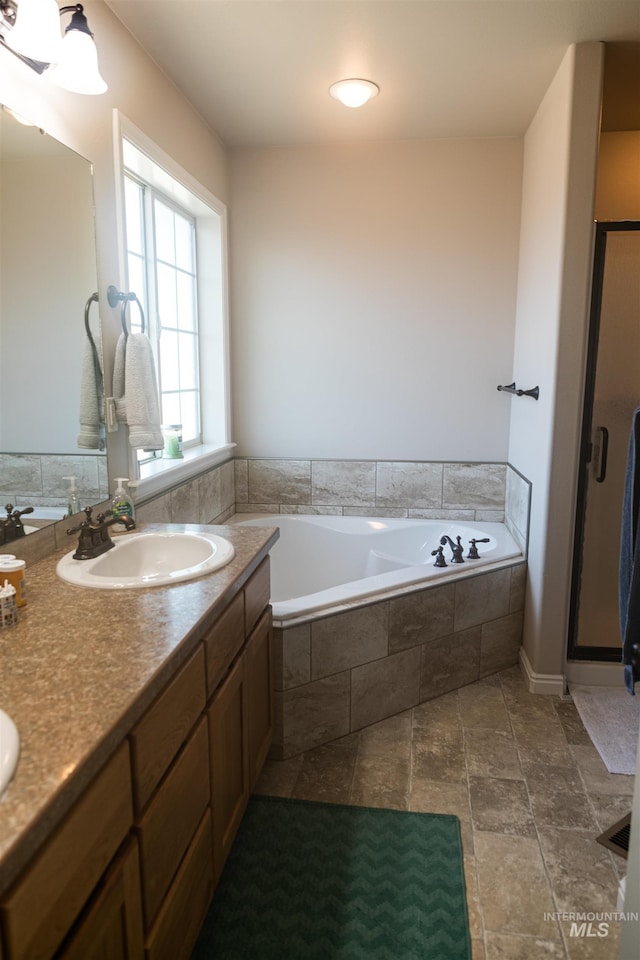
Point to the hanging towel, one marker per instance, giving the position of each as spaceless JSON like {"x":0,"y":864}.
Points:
{"x":118,"y":379}
{"x":135,"y":391}
{"x":629,"y":579}
{"x":91,"y":434}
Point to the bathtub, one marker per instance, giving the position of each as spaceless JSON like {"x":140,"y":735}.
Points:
{"x":322,"y":564}
{"x":366,"y":626}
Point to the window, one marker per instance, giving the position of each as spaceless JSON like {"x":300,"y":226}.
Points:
{"x":174,"y":235}
{"x":161,"y":261}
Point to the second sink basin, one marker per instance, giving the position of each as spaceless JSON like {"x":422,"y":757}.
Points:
{"x":149,"y":560}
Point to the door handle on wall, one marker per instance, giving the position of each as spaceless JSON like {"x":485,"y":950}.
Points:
{"x":604,"y":449}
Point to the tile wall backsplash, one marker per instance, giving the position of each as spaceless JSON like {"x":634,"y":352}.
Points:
{"x":394,"y":488}
{"x":37,"y":480}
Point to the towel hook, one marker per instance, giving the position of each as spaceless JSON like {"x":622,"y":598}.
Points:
{"x":123,"y":314}
{"x":94,"y":349}
{"x":115,"y":296}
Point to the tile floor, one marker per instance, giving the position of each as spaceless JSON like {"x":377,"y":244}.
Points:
{"x":531,"y":793}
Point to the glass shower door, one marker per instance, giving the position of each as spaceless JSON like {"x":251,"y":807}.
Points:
{"x":613,"y":393}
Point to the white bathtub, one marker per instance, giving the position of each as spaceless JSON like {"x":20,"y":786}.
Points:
{"x":322,"y":564}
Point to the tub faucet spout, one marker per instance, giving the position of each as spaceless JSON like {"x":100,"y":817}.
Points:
{"x":456,"y":548}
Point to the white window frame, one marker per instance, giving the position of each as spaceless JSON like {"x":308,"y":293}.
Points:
{"x":160,"y":475}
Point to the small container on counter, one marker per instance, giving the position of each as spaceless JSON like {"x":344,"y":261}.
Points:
{"x":14,"y":572}
{"x":8,"y":606}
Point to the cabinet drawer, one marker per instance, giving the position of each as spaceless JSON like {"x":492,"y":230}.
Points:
{"x":164,"y":728}
{"x":179,"y":921}
{"x":223,"y":642}
{"x":42,"y":906}
{"x":172,"y":819}
{"x":112,"y":925}
{"x":257,"y":594}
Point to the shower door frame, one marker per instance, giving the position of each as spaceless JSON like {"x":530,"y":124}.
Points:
{"x":576,"y":651}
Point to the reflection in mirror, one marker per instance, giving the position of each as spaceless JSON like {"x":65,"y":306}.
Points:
{"x":47,"y":277}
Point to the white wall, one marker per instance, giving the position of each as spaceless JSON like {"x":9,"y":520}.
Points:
{"x":372,"y":298}
{"x":145,"y":96}
{"x":560,"y":155}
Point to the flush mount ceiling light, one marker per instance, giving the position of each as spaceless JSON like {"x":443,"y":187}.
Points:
{"x":354,"y":92}
{"x":31,"y":30}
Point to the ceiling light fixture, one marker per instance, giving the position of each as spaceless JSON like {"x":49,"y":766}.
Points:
{"x":31,"y":30}
{"x":354,"y":92}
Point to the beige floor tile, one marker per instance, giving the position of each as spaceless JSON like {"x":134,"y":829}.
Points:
{"x":432,"y":796}
{"x":561,"y":776}
{"x":441,"y":711}
{"x":477,"y":950}
{"x":441,"y":757}
{"x":561,"y":808}
{"x":473,"y":900}
{"x":597,"y":778}
{"x":574,"y":728}
{"x":482,"y":705}
{"x":580,"y":870}
{"x":513,"y":886}
{"x":501,"y":806}
{"x":326,"y":774}
{"x":491,"y":753}
{"x":391,"y":737}
{"x":512,"y":947}
{"x":380,"y":782}
{"x":608,"y":808}
{"x":594,"y":943}
{"x":524,"y":706}
{"x":542,"y":741}
{"x":278,"y":777}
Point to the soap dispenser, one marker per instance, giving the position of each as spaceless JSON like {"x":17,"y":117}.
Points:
{"x":122,"y":504}
{"x":73,"y":503}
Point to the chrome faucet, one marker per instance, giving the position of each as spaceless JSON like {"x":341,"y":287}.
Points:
{"x":456,"y":548}
{"x":11,"y":526}
{"x":94,"y":538}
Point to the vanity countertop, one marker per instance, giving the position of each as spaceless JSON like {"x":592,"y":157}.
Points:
{"x":80,"y":668}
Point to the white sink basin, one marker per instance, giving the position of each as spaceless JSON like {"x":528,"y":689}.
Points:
{"x":9,"y":749}
{"x":149,"y":560}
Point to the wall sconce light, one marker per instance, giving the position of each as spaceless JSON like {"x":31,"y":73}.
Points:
{"x":354,"y":92}
{"x":31,"y":30}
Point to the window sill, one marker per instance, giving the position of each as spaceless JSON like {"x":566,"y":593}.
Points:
{"x":159,"y":476}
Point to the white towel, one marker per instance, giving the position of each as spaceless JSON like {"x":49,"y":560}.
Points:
{"x":91,"y":434}
{"x":135,"y":391}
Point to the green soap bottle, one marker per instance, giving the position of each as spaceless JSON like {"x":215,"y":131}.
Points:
{"x":122,"y":504}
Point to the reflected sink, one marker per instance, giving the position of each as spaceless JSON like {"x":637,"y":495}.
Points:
{"x":9,"y":749}
{"x":141,"y":560}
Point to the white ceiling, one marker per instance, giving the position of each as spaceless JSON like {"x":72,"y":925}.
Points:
{"x":258,"y":71}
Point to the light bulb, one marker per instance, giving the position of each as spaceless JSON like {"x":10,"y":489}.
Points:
{"x":36,"y":33}
{"x":354,"y":92}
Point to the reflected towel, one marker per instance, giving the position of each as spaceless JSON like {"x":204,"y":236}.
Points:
{"x":629,"y":576}
{"x":91,"y":433}
{"x":135,"y":391}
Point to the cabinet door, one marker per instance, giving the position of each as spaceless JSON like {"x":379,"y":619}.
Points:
{"x":111,"y":928}
{"x":259,"y":691}
{"x":228,"y":739}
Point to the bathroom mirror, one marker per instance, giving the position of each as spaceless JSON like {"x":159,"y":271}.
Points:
{"x":47,"y":276}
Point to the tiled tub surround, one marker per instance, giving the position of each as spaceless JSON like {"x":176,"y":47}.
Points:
{"x":389,"y":488}
{"x":341,"y":673}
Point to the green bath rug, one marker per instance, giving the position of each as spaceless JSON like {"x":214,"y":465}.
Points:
{"x":321,"y":881}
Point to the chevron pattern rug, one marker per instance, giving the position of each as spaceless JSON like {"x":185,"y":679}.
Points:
{"x":319,"y":881}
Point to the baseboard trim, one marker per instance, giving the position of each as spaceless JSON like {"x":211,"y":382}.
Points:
{"x":543,"y":683}
{"x":592,"y":673}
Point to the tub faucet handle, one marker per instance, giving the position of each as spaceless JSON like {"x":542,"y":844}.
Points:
{"x":439,"y":555}
{"x":473,"y":550}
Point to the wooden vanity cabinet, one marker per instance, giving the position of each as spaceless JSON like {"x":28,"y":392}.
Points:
{"x":41,"y":908}
{"x":130,"y":872}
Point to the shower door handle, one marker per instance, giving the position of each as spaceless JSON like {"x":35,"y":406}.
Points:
{"x":604,"y":449}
